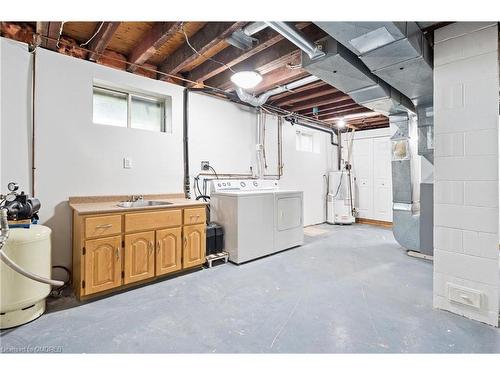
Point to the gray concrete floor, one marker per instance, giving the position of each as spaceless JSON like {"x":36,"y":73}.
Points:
{"x":349,"y":289}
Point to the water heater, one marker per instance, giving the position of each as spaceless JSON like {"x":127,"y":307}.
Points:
{"x":340,"y":209}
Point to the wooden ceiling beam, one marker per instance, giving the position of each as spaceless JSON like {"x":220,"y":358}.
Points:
{"x":323,"y":100}
{"x":159,"y":34}
{"x":347,"y":103}
{"x":279,"y":77}
{"x":267,"y":57}
{"x":329,"y":107}
{"x":343,"y":112}
{"x":299,"y":97}
{"x":206,"y":38}
{"x":50,"y":30}
{"x":232,"y":55}
{"x":315,"y":85}
{"x":103,"y":35}
{"x":369,"y":121}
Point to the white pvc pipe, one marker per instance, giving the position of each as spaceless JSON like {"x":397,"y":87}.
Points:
{"x":28,"y":274}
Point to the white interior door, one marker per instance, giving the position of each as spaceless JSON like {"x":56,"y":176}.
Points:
{"x":363,"y":171}
{"x":382,"y":179}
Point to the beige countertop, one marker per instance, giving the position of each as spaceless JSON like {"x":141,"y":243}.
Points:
{"x":104,"y":204}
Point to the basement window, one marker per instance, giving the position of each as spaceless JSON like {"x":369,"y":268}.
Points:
{"x":304,"y":141}
{"x":131,"y":110}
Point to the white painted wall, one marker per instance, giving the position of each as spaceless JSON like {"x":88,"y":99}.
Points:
{"x":15,"y":114}
{"x":466,"y":82}
{"x":76,"y":157}
{"x":225,"y":135}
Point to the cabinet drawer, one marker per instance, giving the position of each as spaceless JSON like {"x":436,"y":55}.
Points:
{"x":194,"y":215}
{"x":103,"y":226}
{"x":152,"y":220}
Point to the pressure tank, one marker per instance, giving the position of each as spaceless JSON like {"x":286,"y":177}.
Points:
{"x":21,"y":299}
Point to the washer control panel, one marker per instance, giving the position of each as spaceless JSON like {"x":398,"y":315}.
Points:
{"x":243,"y":185}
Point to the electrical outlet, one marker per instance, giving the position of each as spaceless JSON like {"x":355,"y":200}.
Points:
{"x":205,"y":165}
{"x":127,"y":163}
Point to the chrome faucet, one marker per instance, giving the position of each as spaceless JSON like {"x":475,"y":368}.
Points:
{"x":135,"y":198}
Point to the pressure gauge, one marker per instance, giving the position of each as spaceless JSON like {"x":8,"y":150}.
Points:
{"x":13,"y":186}
{"x":10,"y":197}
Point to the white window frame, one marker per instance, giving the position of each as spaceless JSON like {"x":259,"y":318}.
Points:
{"x":165,"y":102}
{"x":301,"y":135}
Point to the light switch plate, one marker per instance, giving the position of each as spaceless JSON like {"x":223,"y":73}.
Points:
{"x":127,"y":163}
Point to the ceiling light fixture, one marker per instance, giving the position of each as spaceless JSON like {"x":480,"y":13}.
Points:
{"x":246,"y":79}
{"x":341,"y":123}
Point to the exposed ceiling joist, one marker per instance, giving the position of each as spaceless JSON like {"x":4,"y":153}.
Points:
{"x":343,"y":112}
{"x":259,"y":61}
{"x":315,"y":85}
{"x":316,"y":102}
{"x":329,"y":107}
{"x":104,"y":34}
{"x":208,"y":37}
{"x":276,"y":58}
{"x":279,"y":77}
{"x":154,"y":39}
{"x":296,"y":98}
{"x":51,"y":30}
{"x":232,"y":55}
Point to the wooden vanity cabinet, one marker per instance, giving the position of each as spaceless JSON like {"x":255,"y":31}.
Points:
{"x":139,"y":257}
{"x":115,"y":251}
{"x":103,"y":264}
{"x":194,"y":245}
{"x":168,"y":250}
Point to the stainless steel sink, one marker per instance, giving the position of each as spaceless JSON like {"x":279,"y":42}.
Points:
{"x":142,"y":203}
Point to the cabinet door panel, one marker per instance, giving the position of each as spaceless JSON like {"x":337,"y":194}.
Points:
{"x":194,"y":245}
{"x":103,"y":265}
{"x":139,"y":256}
{"x":168,"y":250}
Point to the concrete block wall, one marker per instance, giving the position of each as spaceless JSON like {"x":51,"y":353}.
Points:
{"x":466,"y":84}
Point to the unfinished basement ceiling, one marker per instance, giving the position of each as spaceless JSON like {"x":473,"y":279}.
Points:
{"x":161,"y":47}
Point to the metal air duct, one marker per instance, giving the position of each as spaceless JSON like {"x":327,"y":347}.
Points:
{"x":297,"y":37}
{"x":243,"y":39}
{"x":257,"y":101}
{"x":342,"y":69}
{"x":387,"y":67}
{"x":399,"y":54}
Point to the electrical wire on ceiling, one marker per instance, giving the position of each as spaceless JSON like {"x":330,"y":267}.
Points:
{"x":93,"y":36}
{"x":276,"y":111}
{"x":201,"y":54}
{"x":60,"y":33}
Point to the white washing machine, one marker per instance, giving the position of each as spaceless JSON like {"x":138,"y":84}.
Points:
{"x":258,"y":218}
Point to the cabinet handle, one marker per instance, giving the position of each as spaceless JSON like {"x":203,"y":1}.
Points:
{"x":185,"y":241}
{"x":151,"y":245}
{"x":158,"y":245}
{"x":103,"y":226}
{"x":117,"y":251}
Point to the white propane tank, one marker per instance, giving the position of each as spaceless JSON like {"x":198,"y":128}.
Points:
{"x":21,"y":299}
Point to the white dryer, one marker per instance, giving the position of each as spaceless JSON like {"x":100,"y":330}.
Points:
{"x":289,"y":219}
{"x":258,"y":218}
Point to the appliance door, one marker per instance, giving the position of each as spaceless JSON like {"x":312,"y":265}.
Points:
{"x":289,"y":220}
{"x":255,"y":227}
{"x":289,"y":212}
